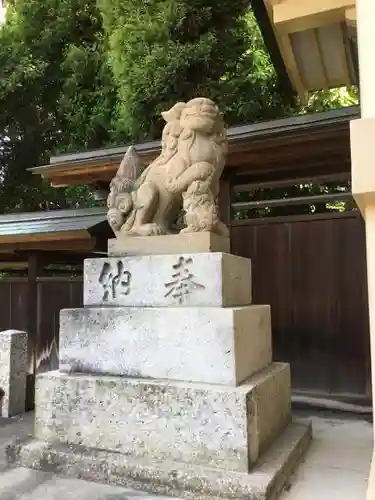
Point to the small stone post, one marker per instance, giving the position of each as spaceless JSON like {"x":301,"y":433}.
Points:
{"x":13,"y":367}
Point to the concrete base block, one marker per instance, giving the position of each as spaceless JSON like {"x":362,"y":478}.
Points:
{"x":13,"y":372}
{"x":197,"y":344}
{"x":265,"y":481}
{"x":184,"y":280}
{"x":168,"y":244}
{"x":202,"y":424}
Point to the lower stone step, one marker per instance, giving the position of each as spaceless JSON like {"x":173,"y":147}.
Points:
{"x":265,"y":482}
{"x":203,"y":424}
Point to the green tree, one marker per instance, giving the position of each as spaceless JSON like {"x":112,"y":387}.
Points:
{"x":162,"y":51}
{"x":56,"y":93}
{"x":325,"y":100}
{"x":78,"y":75}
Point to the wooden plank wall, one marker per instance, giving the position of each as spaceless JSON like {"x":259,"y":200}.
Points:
{"x":312,"y":270}
{"x":14,"y":306}
{"x":52,"y":295}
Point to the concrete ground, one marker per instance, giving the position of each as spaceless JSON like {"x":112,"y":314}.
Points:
{"x":336,"y":467}
{"x":337,"y":464}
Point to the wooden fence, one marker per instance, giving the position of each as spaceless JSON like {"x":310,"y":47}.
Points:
{"x":52,"y":295}
{"x":312,"y":270}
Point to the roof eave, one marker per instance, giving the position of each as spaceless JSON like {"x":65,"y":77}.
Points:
{"x":100,"y":165}
{"x":32,"y":231}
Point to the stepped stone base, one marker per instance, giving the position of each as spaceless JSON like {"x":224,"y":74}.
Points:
{"x":180,"y":397}
{"x":265,"y":481}
{"x":203,"y":424}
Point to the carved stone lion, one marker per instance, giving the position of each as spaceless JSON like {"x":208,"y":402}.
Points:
{"x":185,"y":174}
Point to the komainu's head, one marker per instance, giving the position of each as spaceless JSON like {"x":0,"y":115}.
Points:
{"x":202,"y":115}
{"x":186,"y":121}
{"x":199,"y":114}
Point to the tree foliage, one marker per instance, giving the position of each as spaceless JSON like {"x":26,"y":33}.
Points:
{"x":78,"y":75}
{"x":325,"y":100}
{"x":56,"y":93}
{"x":164,"y":51}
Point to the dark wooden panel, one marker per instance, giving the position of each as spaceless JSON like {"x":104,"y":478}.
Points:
{"x":5,"y":306}
{"x":14,"y":294}
{"x":54,"y":294}
{"x":18,"y":292}
{"x":13,"y":300}
{"x":312,"y":270}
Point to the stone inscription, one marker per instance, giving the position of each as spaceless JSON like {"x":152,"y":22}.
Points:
{"x":114,"y":280}
{"x":183,"y":282}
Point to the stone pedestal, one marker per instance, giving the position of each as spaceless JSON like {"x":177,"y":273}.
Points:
{"x":171,"y":244}
{"x":166,"y":382}
{"x":211,"y":345}
{"x":13,"y":371}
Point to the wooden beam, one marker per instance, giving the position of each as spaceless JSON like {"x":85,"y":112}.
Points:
{"x":35,"y":269}
{"x":246,"y":153}
{"x":316,"y":21}
{"x":86,"y":170}
{"x":62,"y":279}
{"x":13,"y":266}
{"x":351,"y":15}
{"x":244,"y":138}
{"x":240,"y":188}
{"x":300,"y":15}
{"x":44,"y":237}
{"x":93,"y":177}
{"x":344,"y":55}
{"x":313,"y":138}
{"x":319,"y":51}
{"x":251,"y":148}
{"x":86,"y":173}
{"x":68,"y":240}
{"x":286,"y":202}
{"x":273,"y":2}
{"x":7,"y":255}
{"x":287,"y":53}
{"x":353,"y":214}
{"x":86,"y":245}
{"x":291,"y":65}
{"x":288,"y":157}
{"x":76,"y":166}
{"x":249,"y":176}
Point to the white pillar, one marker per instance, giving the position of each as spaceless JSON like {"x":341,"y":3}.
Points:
{"x":370,"y":246}
{"x":363,"y":166}
{"x":366,"y":53}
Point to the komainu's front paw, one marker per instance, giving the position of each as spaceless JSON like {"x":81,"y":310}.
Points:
{"x":189,"y":229}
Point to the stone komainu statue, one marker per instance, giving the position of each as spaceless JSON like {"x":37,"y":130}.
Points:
{"x":185,"y":174}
